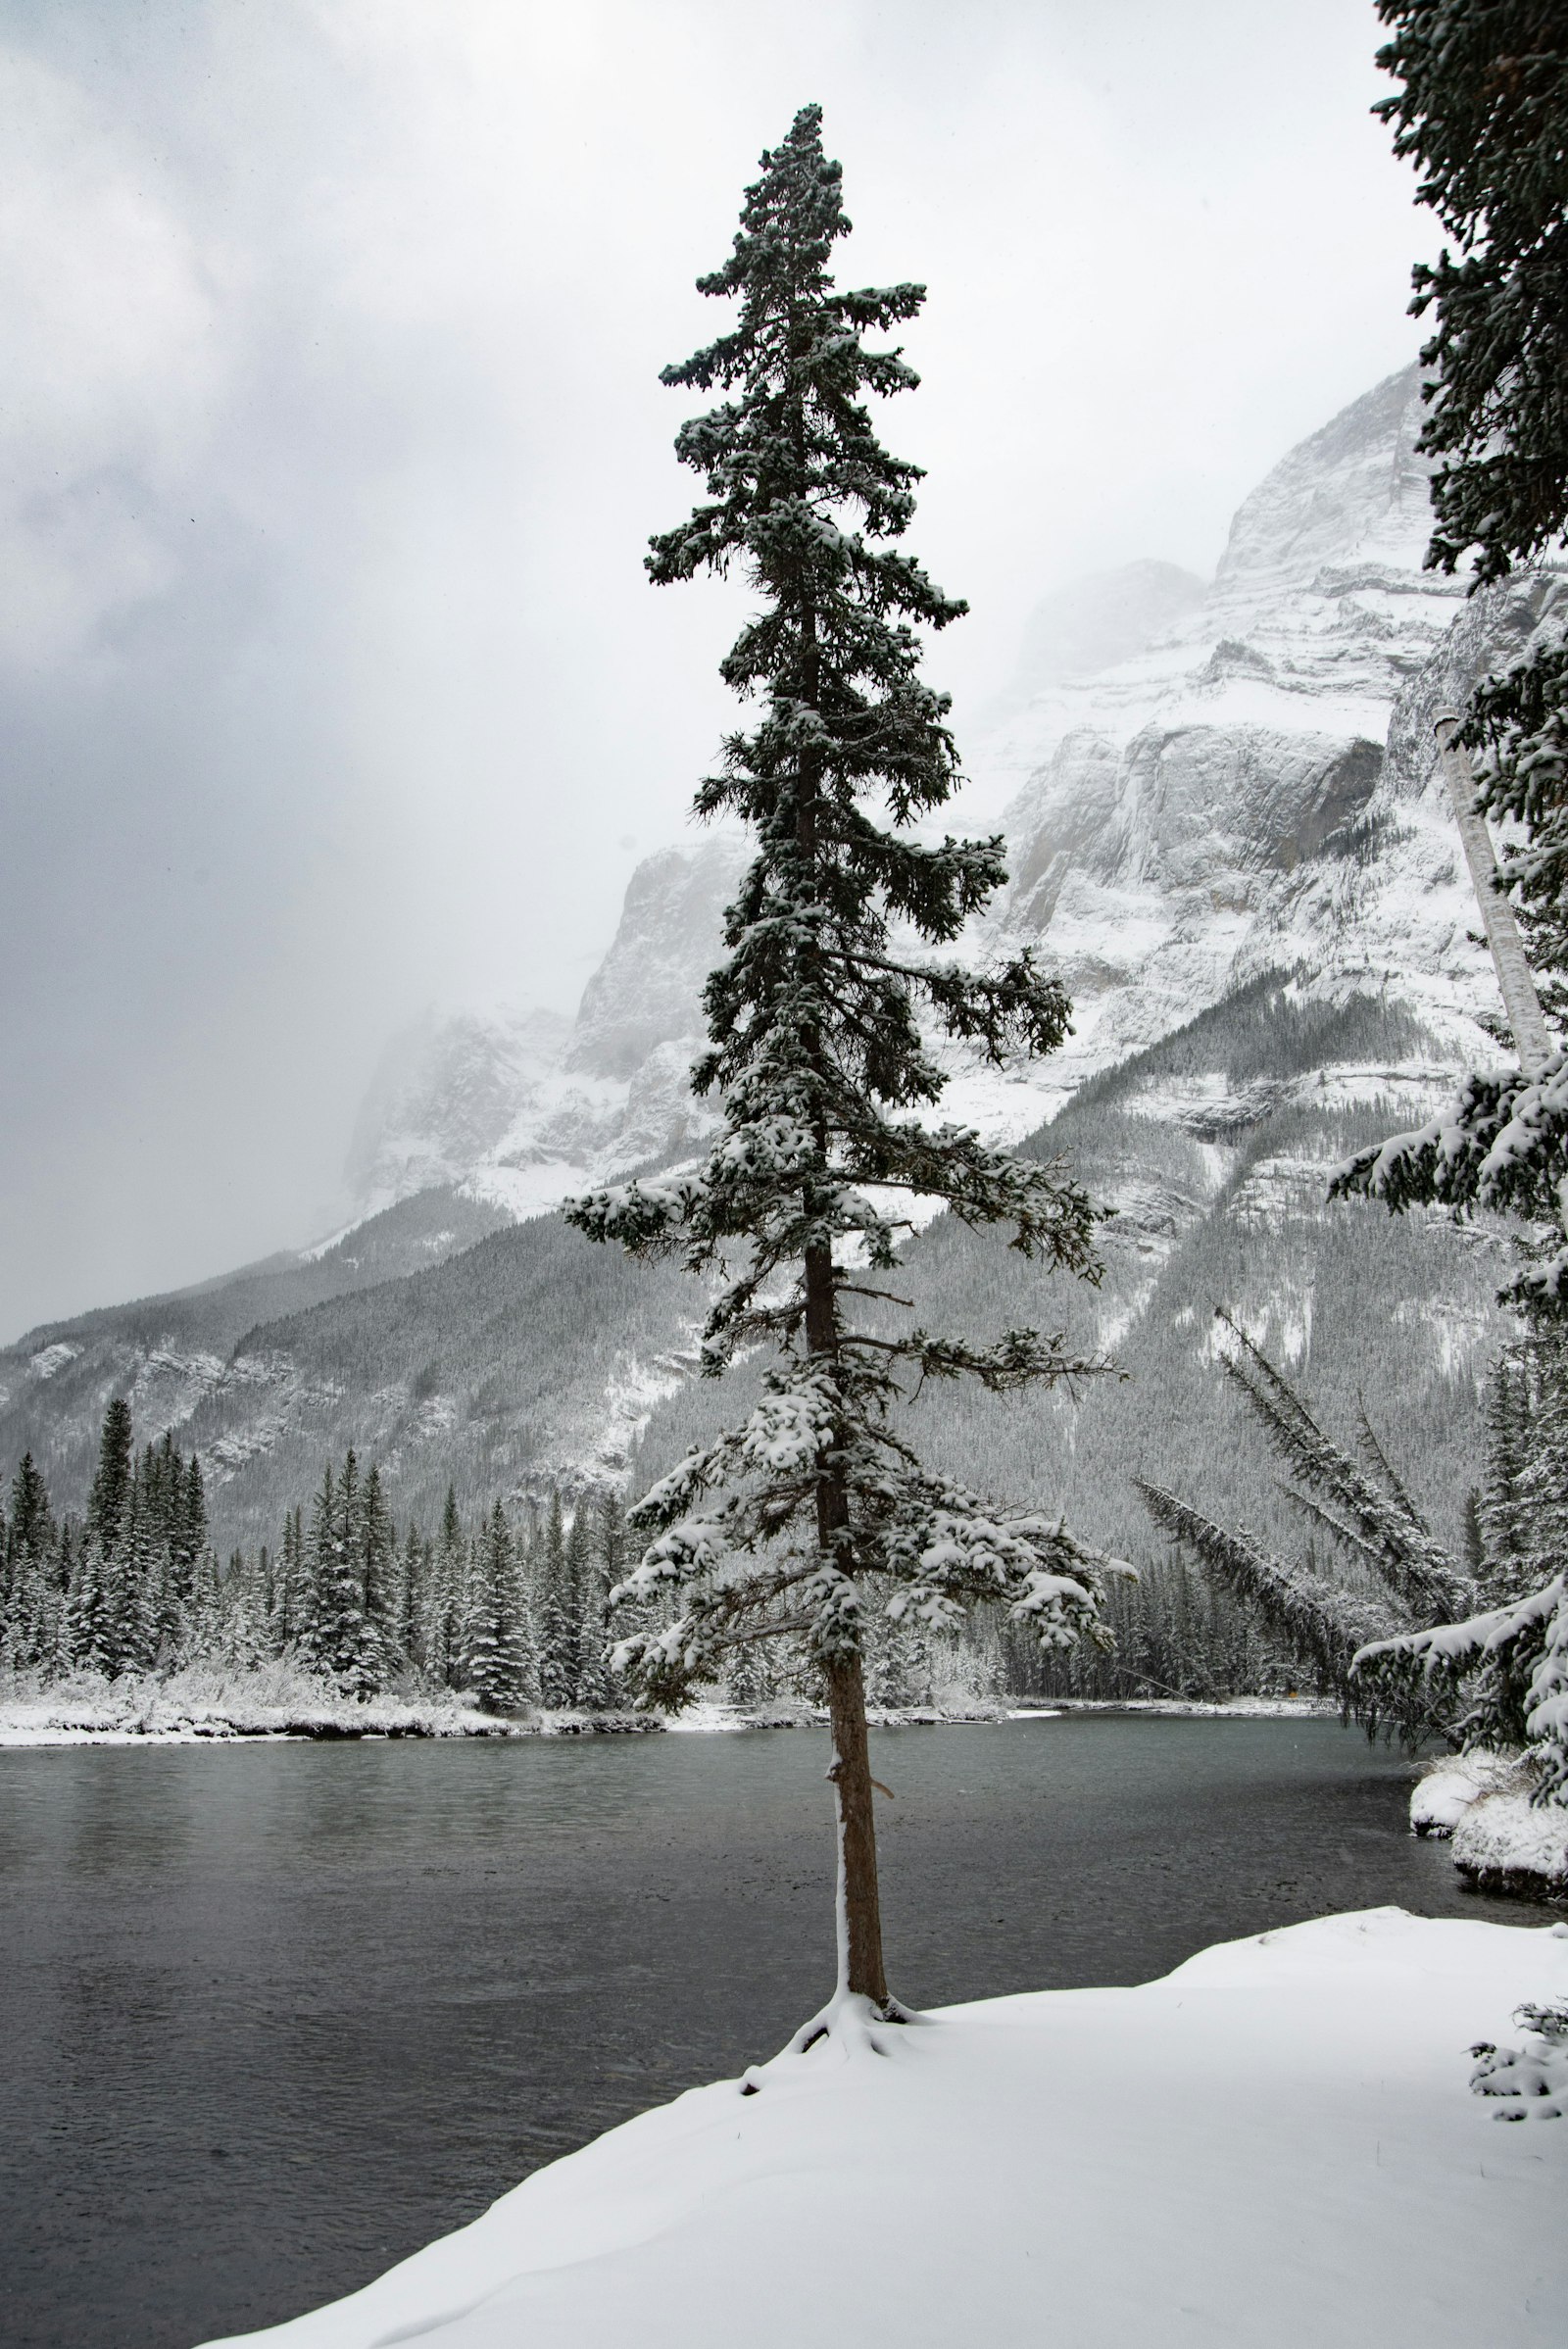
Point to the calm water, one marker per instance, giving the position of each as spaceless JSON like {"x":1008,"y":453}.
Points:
{"x":276,"y":2015}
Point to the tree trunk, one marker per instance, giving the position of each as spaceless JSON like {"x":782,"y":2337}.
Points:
{"x":861,"y":1925}
{"x":860,"y":1969}
{"x":1514,"y":978}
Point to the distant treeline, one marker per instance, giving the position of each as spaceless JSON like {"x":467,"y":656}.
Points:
{"x":511,"y":1606}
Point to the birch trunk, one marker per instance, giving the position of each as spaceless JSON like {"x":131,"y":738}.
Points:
{"x":1519,"y":997}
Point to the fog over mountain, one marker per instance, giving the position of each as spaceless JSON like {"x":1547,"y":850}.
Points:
{"x":330,"y":681}
{"x":1232,"y":846}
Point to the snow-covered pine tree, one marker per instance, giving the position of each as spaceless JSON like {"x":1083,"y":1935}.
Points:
{"x":293,"y":1619}
{"x":411,"y":1606}
{"x":1500,"y":1671}
{"x":34,"y":1589}
{"x":554,"y":1616}
{"x":377,"y":1566}
{"x":446,"y":1597}
{"x":343,"y":1641}
{"x":789,"y":1523}
{"x":502,"y":1665}
{"x":1401,"y":1579}
{"x":1482,"y":108}
{"x":603,"y":1566}
{"x":111,"y":1484}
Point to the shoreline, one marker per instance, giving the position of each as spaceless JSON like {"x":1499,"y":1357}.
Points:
{"x":155,"y":1716}
{"x":1297,"y":2096}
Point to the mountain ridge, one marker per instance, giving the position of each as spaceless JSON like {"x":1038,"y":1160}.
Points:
{"x":1232,"y":834}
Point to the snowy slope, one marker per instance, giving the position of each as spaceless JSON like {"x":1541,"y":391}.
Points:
{"x":1219,"y":804}
{"x":1223,"y":804}
{"x":1274,"y":2147}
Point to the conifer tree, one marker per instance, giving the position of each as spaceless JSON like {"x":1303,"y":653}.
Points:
{"x":604,"y":1565}
{"x":446,"y":1601}
{"x":111,"y":1484}
{"x":293,"y":1621}
{"x":411,"y":1612}
{"x":31,"y":1570}
{"x":378,"y":1554}
{"x":790,"y":1524}
{"x":500,"y":1659}
{"x":1482,"y":108}
{"x":343,"y":1638}
{"x":1394,"y":1577}
{"x":555,"y":1615}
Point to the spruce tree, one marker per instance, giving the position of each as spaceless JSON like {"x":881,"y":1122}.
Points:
{"x":791,"y":1523}
{"x":343,"y":1641}
{"x":111,"y":1484}
{"x":1482,"y":108}
{"x":604,"y":1565}
{"x":446,"y":1597}
{"x":377,"y":1569}
{"x":555,"y":1615}
{"x":31,"y":1570}
{"x":294,"y":1607}
{"x":502,"y":1665}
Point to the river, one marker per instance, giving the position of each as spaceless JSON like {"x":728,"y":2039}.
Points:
{"x":275,"y":2014}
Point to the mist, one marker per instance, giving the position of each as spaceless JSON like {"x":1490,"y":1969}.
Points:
{"x":330,"y":681}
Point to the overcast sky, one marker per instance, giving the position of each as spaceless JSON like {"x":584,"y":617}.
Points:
{"x":331,"y":438}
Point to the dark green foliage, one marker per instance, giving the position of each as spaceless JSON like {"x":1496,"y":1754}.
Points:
{"x":789,"y":1523}
{"x":110,"y":1486}
{"x":1482,"y":108}
{"x":350,"y":1541}
{"x":606,"y":1563}
{"x":1389,"y":1575}
{"x":1178,"y":1633}
{"x":502,"y":1665}
{"x":555,"y":1613}
{"x":33,"y":1589}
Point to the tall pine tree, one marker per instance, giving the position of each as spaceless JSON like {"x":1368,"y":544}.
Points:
{"x":501,"y":1664}
{"x":791,"y":1523}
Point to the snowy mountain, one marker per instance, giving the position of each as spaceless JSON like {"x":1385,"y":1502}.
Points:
{"x":516,"y":1109}
{"x":1214,"y":802}
{"x":1228,"y":838}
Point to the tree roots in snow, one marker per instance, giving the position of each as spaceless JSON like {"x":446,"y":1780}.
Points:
{"x":853,"y":2025}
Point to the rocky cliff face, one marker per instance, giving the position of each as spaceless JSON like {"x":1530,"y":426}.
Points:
{"x":1222,"y":802}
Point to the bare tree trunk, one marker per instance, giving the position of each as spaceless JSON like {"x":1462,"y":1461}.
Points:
{"x":1519,"y":997}
{"x":860,"y":1953}
{"x":860,"y":1969}
{"x":860,"y":1957}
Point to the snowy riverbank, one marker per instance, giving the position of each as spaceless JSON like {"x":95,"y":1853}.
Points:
{"x":1502,"y":1842}
{"x":209,"y":1705}
{"x":1275,"y":2147}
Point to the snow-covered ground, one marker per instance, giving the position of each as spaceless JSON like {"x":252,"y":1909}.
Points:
{"x":1502,"y":1842}
{"x":208,"y":1704}
{"x":1275,"y":2148}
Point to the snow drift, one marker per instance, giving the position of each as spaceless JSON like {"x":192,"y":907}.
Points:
{"x":1275,"y":2145}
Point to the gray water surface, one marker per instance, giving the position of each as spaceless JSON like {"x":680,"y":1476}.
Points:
{"x":275,"y":2014}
